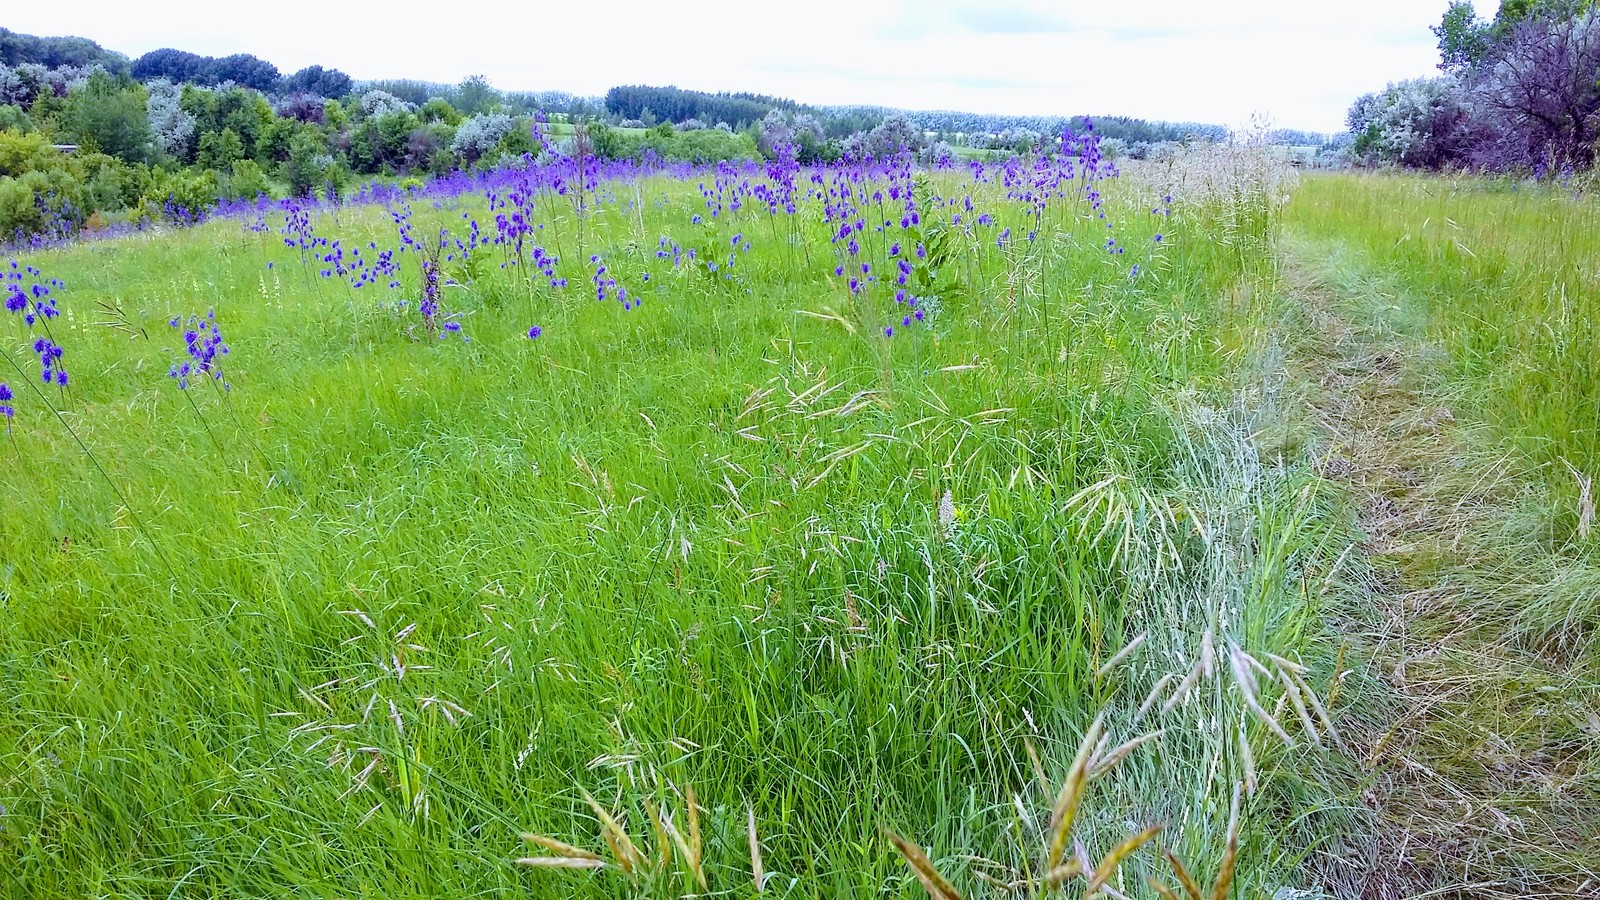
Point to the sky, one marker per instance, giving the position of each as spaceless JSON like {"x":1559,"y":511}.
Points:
{"x":1298,"y":63}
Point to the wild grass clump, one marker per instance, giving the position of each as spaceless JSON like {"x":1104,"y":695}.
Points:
{"x":1234,"y":192}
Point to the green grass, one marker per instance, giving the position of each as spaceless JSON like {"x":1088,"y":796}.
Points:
{"x":1503,"y":278}
{"x":696,"y":543}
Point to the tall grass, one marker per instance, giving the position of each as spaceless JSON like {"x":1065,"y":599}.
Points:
{"x":1505,"y":280}
{"x":424,"y":594}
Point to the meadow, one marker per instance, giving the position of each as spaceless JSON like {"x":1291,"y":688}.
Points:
{"x":735,"y":531}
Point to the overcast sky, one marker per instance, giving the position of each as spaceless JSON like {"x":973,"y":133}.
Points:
{"x":1300,"y":63}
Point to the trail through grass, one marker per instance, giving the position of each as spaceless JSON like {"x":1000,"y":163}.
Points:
{"x":1481,"y":726}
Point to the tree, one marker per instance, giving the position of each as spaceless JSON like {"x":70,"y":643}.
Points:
{"x":892,"y":135}
{"x":440,"y":110}
{"x":243,"y":69}
{"x":170,"y":126}
{"x":175,"y":65}
{"x":1540,"y":94}
{"x":1463,"y":39}
{"x":58,"y":52}
{"x":475,"y":96}
{"x":307,"y":161}
{"x":320,"y":82}
{"x":110,"y":118}
{"x":219,"y":150}
{"x":1423,"y":123}
{"x":479,"y":135}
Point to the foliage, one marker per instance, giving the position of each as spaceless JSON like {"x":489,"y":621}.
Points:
{"x":41,"y":201}
{"x":184,"y":67}
{"x":307,"y":161}
{"x":1521,"y":94}
{"x":376,"y":104}
{"x":479,"y":135}
{"x":171,"y":126}
{"x":474,"y":96}
{"x":319,"y":82}
{"x":109,"y":116}
{"x":671,"y":104}
{"x":1463,"y":39}
{"x":1420,"y":123}
{"x":219,"y":150}
{"x":893,"y":135}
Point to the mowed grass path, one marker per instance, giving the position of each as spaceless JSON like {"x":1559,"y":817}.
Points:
{"x":348,"y":627}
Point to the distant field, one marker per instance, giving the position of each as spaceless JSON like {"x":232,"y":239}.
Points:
{"x":388,"y":583}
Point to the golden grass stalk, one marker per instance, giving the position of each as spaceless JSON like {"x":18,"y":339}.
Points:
{"x":1219,"y":890}
{"x":1063,"y":873}
{"x":561,"y":862}
{"x":1338,"y":673}
{"x":1164,"y":892}
{"x":1108,"y":865}
{"x":1132,"y":648}
{"x":663,"y":848}
{"x":755,"y":851}
{"x":627,"y":854}
{"x":1066,"y":805}
{"x":932,"y":882}
{"x":694,"y":837}
{"x":1191,"y":889}
{"x":560,"y":848}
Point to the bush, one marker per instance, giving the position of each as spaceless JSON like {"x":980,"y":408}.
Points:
{"x":42,"y":201}
{"x":219,"y":150}
{"x":303,"y":169}
{"x":246,"y":182}
{"x":182,"y":197}
{"x":22,"y":153}
{"x":479,"y":135}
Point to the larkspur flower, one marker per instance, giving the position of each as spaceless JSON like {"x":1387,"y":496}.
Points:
{"x":203,"y":343}
{"x":5,"y":401}
{"x":535,"y":332}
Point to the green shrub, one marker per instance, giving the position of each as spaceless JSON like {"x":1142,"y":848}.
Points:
{"x":39,"y":202}
{"x":193,"y":192}
{"x":246,"y":182}
{"x":21,"y":153}
{"x":219,"y":150}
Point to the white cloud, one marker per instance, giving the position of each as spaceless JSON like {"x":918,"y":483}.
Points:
{"x":1300,"y":63}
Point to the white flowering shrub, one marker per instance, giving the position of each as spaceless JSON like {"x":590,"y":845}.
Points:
{"x":480,"y":134}
{"x":170,"y":125}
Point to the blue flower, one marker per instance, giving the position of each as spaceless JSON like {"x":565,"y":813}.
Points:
{"x":535,"y":332}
